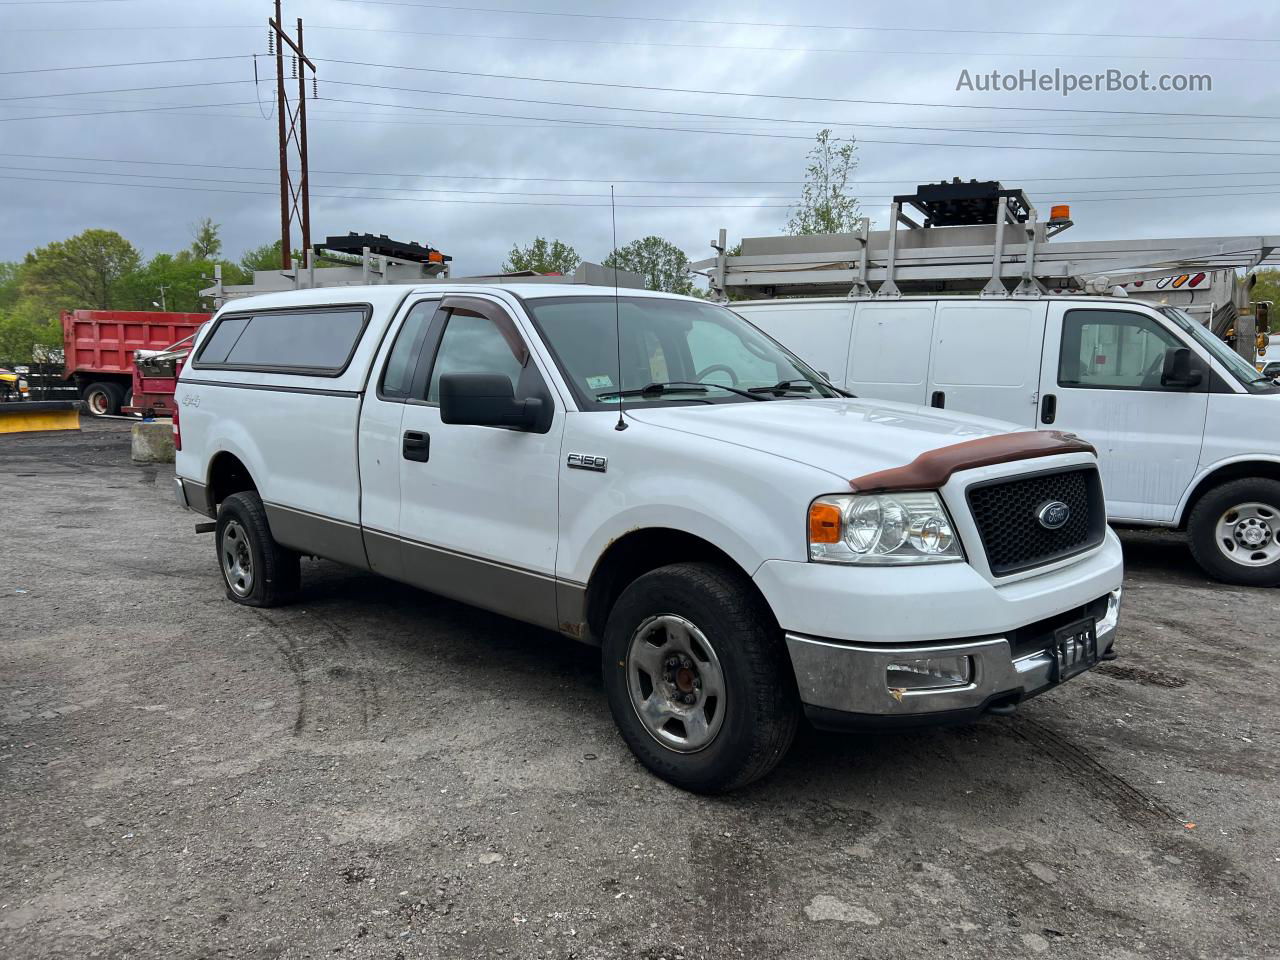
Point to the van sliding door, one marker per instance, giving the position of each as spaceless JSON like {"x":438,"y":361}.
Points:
{"x":986,"y":358}
{"x":889,"y":350}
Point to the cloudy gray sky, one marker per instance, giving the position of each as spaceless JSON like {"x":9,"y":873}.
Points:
{"x":471,"y":164}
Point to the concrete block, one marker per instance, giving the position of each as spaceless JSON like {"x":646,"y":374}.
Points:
{"x":153,"y":442}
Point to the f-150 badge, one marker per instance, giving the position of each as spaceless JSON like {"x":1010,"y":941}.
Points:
{"x":587,"y":461}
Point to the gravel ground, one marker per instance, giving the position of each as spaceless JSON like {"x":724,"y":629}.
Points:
{"x":378,"y":772}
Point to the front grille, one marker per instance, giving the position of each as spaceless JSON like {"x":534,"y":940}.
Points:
{"x":1006,"y":512}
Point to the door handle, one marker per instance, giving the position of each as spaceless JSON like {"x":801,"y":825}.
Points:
{"x":416,"y":446}
{"x":939,"y":399}
{"x":1049,"y":408}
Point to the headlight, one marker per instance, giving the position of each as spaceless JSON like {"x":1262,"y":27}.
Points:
{"x":881,"y":529}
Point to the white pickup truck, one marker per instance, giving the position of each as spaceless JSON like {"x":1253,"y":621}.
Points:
{"x":746,"y":543}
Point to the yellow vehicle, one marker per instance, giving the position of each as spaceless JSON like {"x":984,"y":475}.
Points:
{"x":12,"y":386}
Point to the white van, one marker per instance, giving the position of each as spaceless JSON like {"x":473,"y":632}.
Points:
{"x":1187,"y":431}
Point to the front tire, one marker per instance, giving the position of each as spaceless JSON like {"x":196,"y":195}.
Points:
{"x":698,"y":679}
{"x":257,"y":571}
{"x":1234,"y":532}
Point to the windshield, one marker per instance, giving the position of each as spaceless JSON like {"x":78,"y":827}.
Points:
{"x":681,"y":350}
{"x":1239,"y":367}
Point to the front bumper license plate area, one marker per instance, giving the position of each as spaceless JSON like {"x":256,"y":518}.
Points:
{"x":1075,"y":648}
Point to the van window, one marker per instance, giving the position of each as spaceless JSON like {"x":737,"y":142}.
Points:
{"x":397,"y":375}
{"x":312,"y":341}
{"x":722,"y":356}
{"x":1113,"y":350}
{"x":472,"y":344}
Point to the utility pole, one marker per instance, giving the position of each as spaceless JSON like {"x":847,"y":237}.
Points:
{"x":163,"y":288}
{"x":295,"y":198}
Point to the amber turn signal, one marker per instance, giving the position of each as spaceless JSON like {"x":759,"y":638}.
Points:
{"x":824,"y":523}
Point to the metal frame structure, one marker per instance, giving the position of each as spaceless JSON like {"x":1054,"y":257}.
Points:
{"x":981,"y":258}
{"x":295,"y":199}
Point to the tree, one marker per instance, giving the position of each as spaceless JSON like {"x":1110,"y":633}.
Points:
{"x":10,"y":288}
{"x":662,"y":264}
{"x":85,"y":271}
{"x":206,"y":244}
{"x":266,"y":257}
{"x":28,"y":332}
{"x":182,"y":276}
{"x":1267,"y":287}
{"x":542,"y":257}
{"x":824,"y":207}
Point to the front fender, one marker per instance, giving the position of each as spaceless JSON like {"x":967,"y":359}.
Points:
{"x":750,"y":505}
{"x":1206,"y":472}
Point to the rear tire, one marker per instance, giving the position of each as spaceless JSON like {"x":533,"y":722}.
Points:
{"x":719,"y":707}
{"x":1234,"y":532}
{"x":102,"y":399}
{"x":257,"y":571}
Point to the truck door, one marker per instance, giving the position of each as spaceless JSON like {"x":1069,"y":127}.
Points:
{"x":986,"y":358}
{"x":380,"y":446}
{"x":478,"y":515}
{"x":889,"y":350}
{"x":1101,"y":378}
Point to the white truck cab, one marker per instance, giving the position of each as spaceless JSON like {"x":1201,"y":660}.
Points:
{"x":746,"y":543}
{"x":1187,"y":431}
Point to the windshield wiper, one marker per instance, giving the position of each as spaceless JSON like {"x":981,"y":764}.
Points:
{"x":784,"y":386}
{"x":674,"y":387}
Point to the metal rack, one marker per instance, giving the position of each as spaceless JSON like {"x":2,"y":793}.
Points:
{"x":975,"y":237}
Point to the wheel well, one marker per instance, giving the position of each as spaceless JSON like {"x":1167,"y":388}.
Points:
{"x":84,"y":381}
{"x":635,"y":554}
{"x":1232,"y":471}
{"x":227,"y":475}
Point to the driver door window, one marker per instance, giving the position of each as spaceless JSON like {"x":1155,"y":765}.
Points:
{"x":472,"y":344}
{"x":1113,"y":350}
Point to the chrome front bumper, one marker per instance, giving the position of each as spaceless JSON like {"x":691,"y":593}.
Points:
{"x":852,"y":679}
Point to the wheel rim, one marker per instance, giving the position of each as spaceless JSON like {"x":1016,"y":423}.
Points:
{"x":676,"y":683}
{"x":1246,"y":534}
{"x":237,"y":559}
{"x":97,"y":403}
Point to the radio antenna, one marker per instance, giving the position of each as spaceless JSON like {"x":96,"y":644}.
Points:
{"x":617,"y":309}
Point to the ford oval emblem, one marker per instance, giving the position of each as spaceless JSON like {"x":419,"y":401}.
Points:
{"x":1053,"y":514}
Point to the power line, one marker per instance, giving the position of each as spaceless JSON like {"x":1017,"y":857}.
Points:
{"x":915,"y":28}
{"x":664,"y":180}
{"x":798,"y":97}
{"x":103,"y":113}
{"x":745,"y":48}
{"x":133,"y":63}
{"x":401,"y":199}
{"x":94,"y":93}
{"x":1165,"y":151}
{"x":1070,"y":194}
{"x":851,"y":124}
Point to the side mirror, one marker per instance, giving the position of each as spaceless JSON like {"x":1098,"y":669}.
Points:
{"x":485,"y":400}
{"x":1177,"y":370}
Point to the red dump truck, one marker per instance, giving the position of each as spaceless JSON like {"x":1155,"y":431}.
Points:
{"x":100,"y":347}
